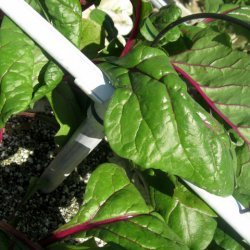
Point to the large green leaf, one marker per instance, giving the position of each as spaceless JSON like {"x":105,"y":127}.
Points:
{"x":184,"y":212}
{"x":87,"y":245}
{"x":222,"y":75}
{"x":109,"y":194}
{"x":20,"y":64}
{"x":24,"y":75}
{"x":195,"y":228}
{"x":66,"y":17}
{"x":116,"y":212}
{"x":152,"y":121}
{"x":143,"y":232}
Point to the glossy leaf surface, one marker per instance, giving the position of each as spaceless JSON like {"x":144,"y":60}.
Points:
{"x":185,"y":213}
{"x":152,"y":121}
{"x":19,"y":67}
{"x":109,"y":194}
{"x":196,"y":229}
{"x":66,"y":17}
{"x":158,"y":21}
{"x":144,"y":232}
{"x":222,"y":75}
{"x":115,"y":211}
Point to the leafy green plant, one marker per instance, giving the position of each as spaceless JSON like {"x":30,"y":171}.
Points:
{"x":181,"y":109}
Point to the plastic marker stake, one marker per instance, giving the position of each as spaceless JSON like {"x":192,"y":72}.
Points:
{"x":229,"y":209}
{"x":87,"y":76}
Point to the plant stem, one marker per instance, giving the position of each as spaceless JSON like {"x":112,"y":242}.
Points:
{"x":134,"y":32}
{"x":89,"y":225}
{"x":208,"y":100}
{"x":19,"y":235}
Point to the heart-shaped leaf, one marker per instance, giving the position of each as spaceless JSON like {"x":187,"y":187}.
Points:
{"x":152,"y":121}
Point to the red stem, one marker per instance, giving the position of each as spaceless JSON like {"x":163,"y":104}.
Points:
{"x":19,"y":235}
{"x":134,"y":32}
{"x":208,"y":100}
{"x":1,"y":134}
{"x":58,"y":235}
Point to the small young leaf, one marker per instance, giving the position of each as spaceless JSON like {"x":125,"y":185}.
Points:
{"x":67,"y":111}
{"x":157,"y":21}
{"x":155,"y":123}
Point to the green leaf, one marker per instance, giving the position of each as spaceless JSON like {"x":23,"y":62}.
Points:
{"x":158,"y":21}
{"x":222,"y":74}
{"x":155,"y":123}
{"x":196,"y":229}
{"x":226,"y":242}
{"x":91,"y":40}
{"x":115,"y":212}
{"x":88,"y":245}
{"x":20,"y":64}
{"x":67,"y":111}
{"x":105,"y":21}
{"x":243,"y":175}
{"x":143,"y":232}
{"x":242,"y":13}
{"x":186,"y":214}
{"x":212,"y":6}
{"x":239,"y":35}
{"x":109,"y":194}
{"x":66,"y":17}
{"x":52,"y":77}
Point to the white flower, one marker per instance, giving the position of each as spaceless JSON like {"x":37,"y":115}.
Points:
{"x":119,"y":11}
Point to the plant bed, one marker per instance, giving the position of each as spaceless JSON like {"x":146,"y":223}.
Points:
{"x":180,"y":111}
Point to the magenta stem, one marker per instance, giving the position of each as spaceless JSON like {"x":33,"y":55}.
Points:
{"x":208,"y":100}
{"x":8,"y":229}
{"x":131,"y":40}
{"x":58,"y":235}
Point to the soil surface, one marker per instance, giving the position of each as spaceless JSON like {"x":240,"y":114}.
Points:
{"x":26,"y":150}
